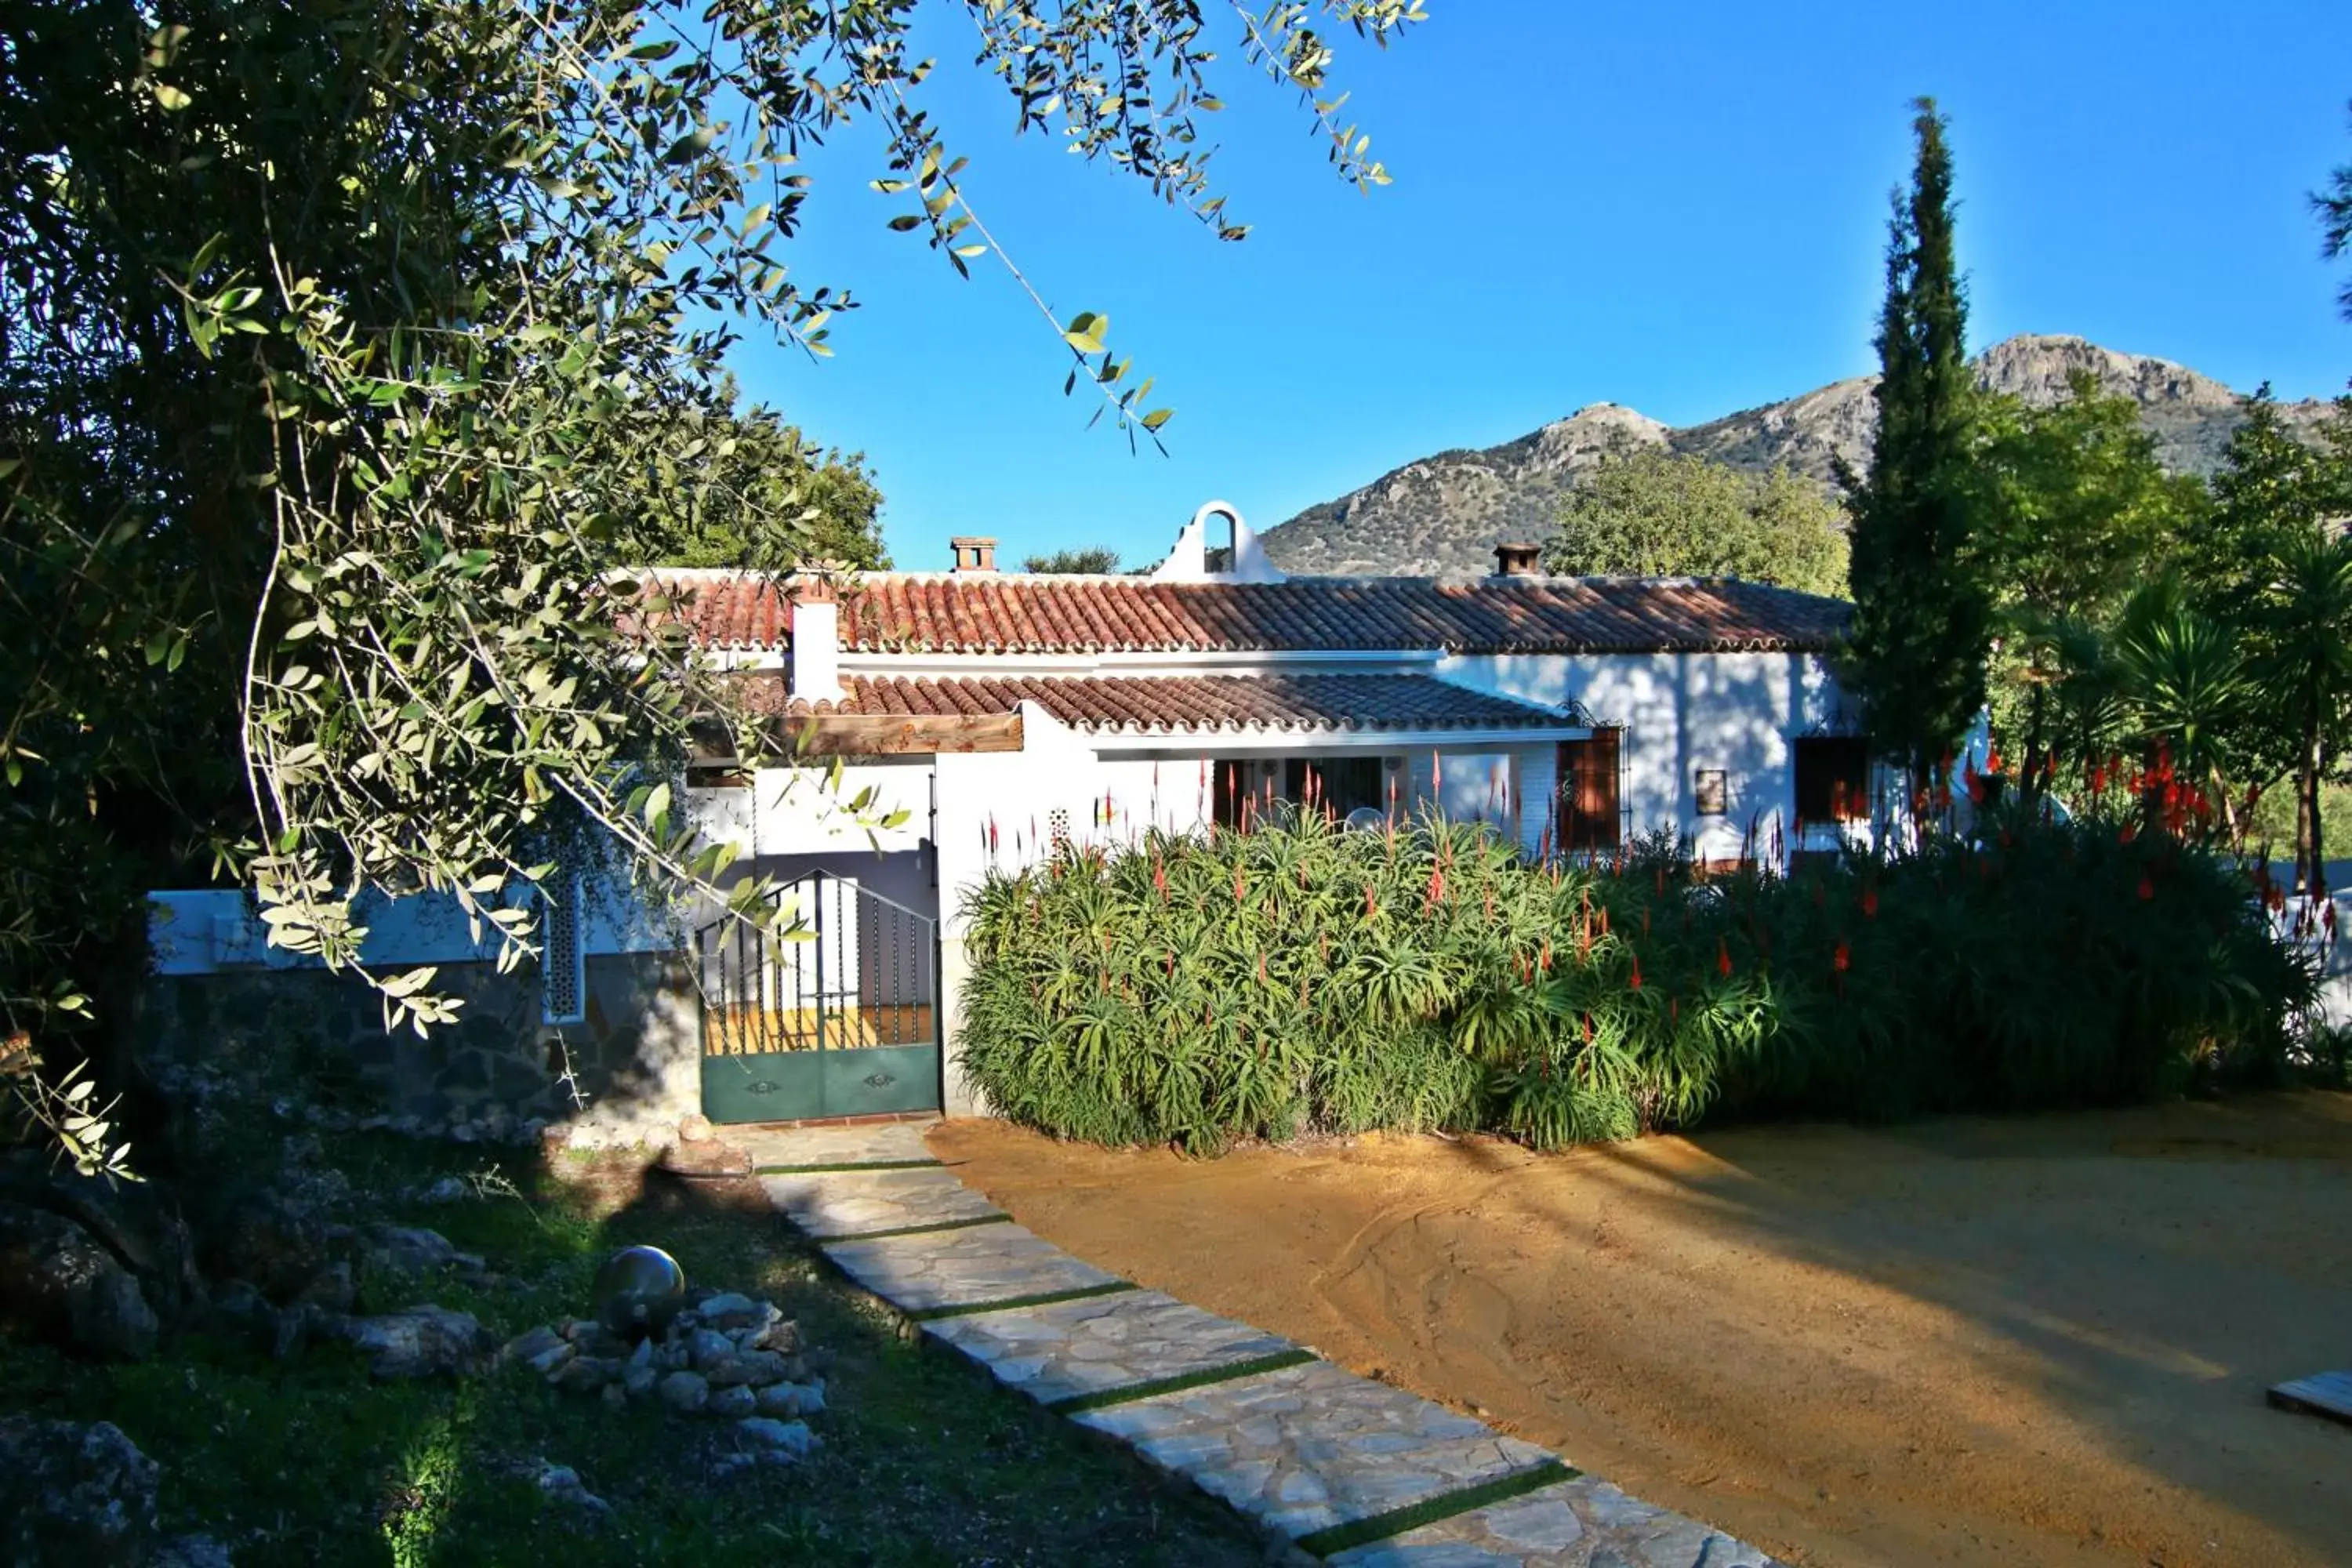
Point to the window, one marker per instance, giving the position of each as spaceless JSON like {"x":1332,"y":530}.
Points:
{"x":1588,"y":800}
{"x":562,"y":968}
{"x":1832,"y":779}
{"x":1714,"y":792}
{"x":1343,"y":784}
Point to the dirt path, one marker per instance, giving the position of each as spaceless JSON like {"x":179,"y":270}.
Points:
{"x":2033,"y":1342}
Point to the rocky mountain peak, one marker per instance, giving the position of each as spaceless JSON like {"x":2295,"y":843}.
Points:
{"x":1444,"y":513}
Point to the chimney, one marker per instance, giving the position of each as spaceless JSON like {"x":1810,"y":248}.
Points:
{"x":1518,"y":560}
{"x":974,"y":556}
{"x":812,"y":665}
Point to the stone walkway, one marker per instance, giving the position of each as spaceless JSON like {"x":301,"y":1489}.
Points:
{"x":1346,"y":1469}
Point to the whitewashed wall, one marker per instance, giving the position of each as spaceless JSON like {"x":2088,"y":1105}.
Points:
{"x":1682,"y":713}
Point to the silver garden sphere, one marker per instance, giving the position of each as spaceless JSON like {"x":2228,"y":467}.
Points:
{"x":638,"y":1290}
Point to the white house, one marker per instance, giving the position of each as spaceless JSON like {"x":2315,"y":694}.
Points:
{"x":1007,"y":713}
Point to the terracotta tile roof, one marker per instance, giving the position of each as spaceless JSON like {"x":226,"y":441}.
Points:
{"x":938,"y":613}
{"x":1190,"y":704}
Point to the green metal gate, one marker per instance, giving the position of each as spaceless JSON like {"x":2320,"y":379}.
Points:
{"x":842,"y":1021}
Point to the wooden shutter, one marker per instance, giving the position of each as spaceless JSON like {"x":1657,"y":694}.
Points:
{"x":1588,"y":792}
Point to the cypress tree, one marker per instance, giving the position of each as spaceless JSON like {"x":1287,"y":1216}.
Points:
{"x":1922,"y":622}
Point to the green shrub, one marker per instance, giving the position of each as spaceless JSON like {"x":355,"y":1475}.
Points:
{"x":1198,"y":990}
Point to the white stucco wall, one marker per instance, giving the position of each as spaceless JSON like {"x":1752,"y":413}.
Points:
{"x":791,"y":811}
{"x":1682,"y":713}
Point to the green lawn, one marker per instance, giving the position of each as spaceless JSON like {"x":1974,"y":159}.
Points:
{"x":925,"y":1461}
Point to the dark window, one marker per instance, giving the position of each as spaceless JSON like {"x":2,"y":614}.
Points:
{"x":1832,"y":779}
{"x":1588,"y":792}
{"x":1343,"y":784}
{"x":1232,"y":788}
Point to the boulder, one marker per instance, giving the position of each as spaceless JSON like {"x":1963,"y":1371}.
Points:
{"x":59,"y":1285}
{"x":411,"y":1249}
{"x":525,"y":1349}
{"x":777,"y":1440}
{"x":732,"y":1310}
{"x":733,"y":1404}
{"x":562,"y":1485}
{"x":685,"y":1391}
{"x":419,"y":1341}
{"x":639,"y":1382}
{"x":74,"y":1495}
{"x":274,"y":1246}
{"x":136,"y":1221}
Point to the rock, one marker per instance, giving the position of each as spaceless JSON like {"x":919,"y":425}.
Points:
{"x":642,"y":1354}
{"x":73,"y":1495}
{"x":705,"y":1347}
{"x":756,"y":1367}
{"x":732,"y":1310}
{"x":577,"y":1328}
{"x":671,"y":1358}
{"x":781,"y":1399}
{"x":615,"y":1396}
{"x":136,"y":1221}
{"x":551,"y":1361}
{"x":274,"y":1246}
{"x":59,"y":1284}
{"x":419,"y":1341}
{"x":811,"y":1397}
{"x":639,"y":1382}
{"x":694,"y":1128}
{"x":725,"y":1372}
{"x":330,"y":1290}
{"x":239,"y":1313}
{"x":191,"y":1552}
{"x":561,"y":1484}
{"x":583,"y":1374}
{"x":409,"y":1249}
{"x":733,"y":1404}
{"x":777,"y":1440}
{"x":447,"y":1190}
{"x":782,"y":1336}
{"x":685,"y":1391}
{"x":528,"y":1347}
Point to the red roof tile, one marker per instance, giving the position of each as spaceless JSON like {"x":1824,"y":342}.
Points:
{"x":895,"y":612}
{"x":1188,"y":704}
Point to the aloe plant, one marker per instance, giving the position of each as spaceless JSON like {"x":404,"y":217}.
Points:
{"x":1293,"y":978}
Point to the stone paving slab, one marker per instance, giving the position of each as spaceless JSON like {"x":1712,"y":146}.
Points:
{"x":973,"y":1267}
{"x":1580,"y":1523}
{"x":1071,"y":1349}
{"x":828,"y":1204}
{"x":872,"y":1143}
{"x":1311,"y":1447}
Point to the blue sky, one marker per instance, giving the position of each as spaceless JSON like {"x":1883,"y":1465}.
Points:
{"x":1680,"y":208}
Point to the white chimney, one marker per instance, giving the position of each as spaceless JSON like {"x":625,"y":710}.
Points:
{"x":813,"y":663}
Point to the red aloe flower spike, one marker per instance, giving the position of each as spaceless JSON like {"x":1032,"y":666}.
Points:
{"x":1645,"y":919}
{"x":1604,"y":919}
{"x":1842,"y":959}
{"x":2126,"y":833}
{"x":1588,"y":1028}
{"x":1543,"y":964}
{"x":2147,"y":886}
{"x":1634,"y":982}
{"x":1261,"y":966}
{"x":1673,"y":1009}
{"x":1992,"y":759}
{"x":1490,"y":904}
{"x":1869,"y":902}
{"x":1722,"y":958}
{"x":1436,"y":893}
{"x":1371,"y":904}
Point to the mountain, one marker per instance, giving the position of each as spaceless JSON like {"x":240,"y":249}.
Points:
{"x":1445,"y":513}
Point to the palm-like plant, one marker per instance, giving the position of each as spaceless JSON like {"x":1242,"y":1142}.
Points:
{"x":2306,"y":607}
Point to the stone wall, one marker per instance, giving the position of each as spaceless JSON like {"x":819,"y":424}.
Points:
{"x":625,"y":1075}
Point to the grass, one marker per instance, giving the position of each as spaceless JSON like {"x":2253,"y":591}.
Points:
{"x":1412,"y":1516}
{"x":924,"y":1460}
{"x":1126,"y":1393}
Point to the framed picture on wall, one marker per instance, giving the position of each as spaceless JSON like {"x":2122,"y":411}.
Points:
{"x":1714,"y":792}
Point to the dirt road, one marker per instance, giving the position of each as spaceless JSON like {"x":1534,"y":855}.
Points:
{"x":2039,"y":1340}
